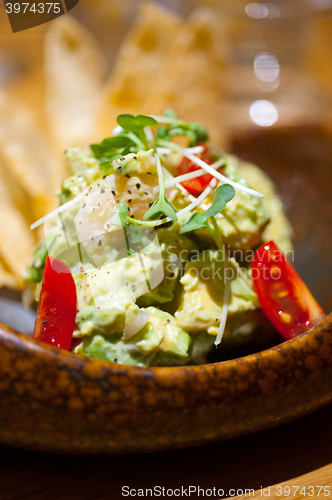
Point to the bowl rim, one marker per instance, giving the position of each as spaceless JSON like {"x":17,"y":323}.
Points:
{"x":194,"y":404}
{"x":298,"y":343}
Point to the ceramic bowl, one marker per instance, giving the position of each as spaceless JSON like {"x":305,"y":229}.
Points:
{"x":57,"y":401}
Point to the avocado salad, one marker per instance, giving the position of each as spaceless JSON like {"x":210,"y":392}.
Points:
{"x":155,"y":232}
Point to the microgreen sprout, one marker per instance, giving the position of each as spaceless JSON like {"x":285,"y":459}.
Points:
{"x":133,"y":228}
{"x":195,"y":132}
{"x":136,"y":125}
{"x":161,"y":206}
{"x":224,"y":194}
{"x":131,"y":139}
{"x":122,"y":218}
{"x":201,"y":163}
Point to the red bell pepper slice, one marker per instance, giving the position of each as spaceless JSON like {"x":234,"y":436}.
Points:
{"x":284,"y":297}
{"x":197,"y":185}
{"x":55,"y":322}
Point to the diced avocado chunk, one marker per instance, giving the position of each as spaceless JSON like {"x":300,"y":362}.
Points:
{"x":35,"y":270}
{"x":113,"y":348}
{"x":121,"y":281}
{"x":202,"y":302}
{"x":53,"y":244}
{"x":138,"y":350}
{"x":91,"y":321}
{"x":83,"y":164}
{"x":245,"y":218}
{"x":174,"y":349}
{"x":175,"y":249}
{"x":84,"y":169}
{"x":140,"y":163}
{"x":279,"y":229}
{"x":160,"y":341}
{"x":201,"y":305}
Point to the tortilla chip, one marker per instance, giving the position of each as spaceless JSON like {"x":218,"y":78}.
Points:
{"x":17,"y":241}
{"x":74,"y":71}
{"x":26,"y":161}
{"x":192,"y":79}
{"x":6,"y":278}
{"x":139,"y":62}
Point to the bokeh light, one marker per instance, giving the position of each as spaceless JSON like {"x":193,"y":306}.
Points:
{"x":263,"y":113}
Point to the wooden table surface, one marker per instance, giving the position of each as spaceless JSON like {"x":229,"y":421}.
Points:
{"x":299,"y":453}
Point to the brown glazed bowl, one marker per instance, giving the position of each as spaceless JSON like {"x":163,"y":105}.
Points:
{"x":57,"y":401}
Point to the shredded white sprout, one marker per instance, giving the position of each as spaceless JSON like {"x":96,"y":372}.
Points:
{"x":195,"y":150}
{"x":192,"y":175}
{"x":221,"y":177}
{"x":160,"y":168}
{"x":224,"y":311}
{"x":200,"y":198}
{"x":215,"y":173}
{"x":163,"y":119}
{"x":183,"y":190}
{"x":150,"y":136}
{"x":59,"y":210}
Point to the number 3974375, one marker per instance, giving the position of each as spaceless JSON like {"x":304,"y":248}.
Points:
{"x":37,"y":8}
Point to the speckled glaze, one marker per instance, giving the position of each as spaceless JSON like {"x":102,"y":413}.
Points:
{"x":57,"y":401}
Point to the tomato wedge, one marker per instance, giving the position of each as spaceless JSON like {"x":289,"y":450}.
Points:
{"x":284,"y":297}
{"x":57,"y":308}
{"x":196,"y":186}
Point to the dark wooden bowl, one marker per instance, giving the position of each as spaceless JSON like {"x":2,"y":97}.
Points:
{"x":57,"y":401}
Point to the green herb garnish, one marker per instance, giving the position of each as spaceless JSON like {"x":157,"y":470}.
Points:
{"x":130,"y":140}
{"x":224,"y":194}
{"x":200,"y":131}
{"x":195,"y":132}
{"x":169,"y":113}
{"x":121,"y":215}
{"x":161,"y":206}
{"x":135,"y":125}
{"x":120,"y":218}
{"x":132,"y":232}
{"x":111,"y":148}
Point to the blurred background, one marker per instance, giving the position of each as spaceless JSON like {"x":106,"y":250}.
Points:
{"x":257,"y":74}
{"x":276,"y":56}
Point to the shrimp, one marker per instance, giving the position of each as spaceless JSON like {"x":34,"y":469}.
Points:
{"x":103,"y":240}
